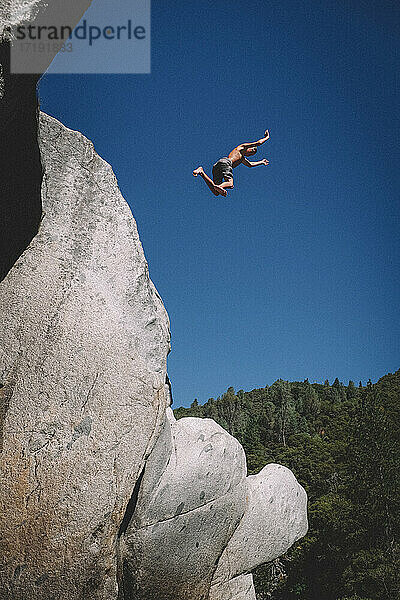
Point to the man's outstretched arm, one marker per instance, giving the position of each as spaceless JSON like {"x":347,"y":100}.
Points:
{"x":257,"y":143}
{"x":256,"y":163}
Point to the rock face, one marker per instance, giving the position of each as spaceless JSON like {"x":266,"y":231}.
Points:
{"x":17,"y":12}
{"x":187,"y":511}
{"x":238,"y":588}
{"x":83,"y":344}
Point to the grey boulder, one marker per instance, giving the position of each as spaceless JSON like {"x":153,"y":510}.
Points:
{"x":274,"y":519}
{"x":186,"y":512}
{"x":200,"y":526}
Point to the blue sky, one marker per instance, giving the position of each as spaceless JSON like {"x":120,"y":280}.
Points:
{"x":296,"y":273}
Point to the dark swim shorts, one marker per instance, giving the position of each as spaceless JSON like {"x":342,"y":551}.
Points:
{"x":222,"y":170}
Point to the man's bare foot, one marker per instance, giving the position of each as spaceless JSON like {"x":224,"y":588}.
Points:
{"x":221,"y":191}
{"x":198,"y":171}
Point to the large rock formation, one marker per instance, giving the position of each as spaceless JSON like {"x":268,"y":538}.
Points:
{"x":58,"y":12}
{"x":83,"y":344}
{"x":200,"y":526}
{"x":103,"y":494}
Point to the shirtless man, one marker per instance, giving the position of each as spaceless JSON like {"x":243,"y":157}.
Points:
{"x":222,"y":171}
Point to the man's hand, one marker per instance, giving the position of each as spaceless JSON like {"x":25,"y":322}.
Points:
{"x":254,"y":144}
{"x":257,"y":163}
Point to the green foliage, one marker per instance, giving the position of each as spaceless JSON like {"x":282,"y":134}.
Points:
{"x":354,"y":598}
{"x":341,"y":442}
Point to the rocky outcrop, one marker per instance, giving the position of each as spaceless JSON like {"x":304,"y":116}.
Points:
{"x":58,"y":12}
{"x":238,"y":588}
{"x":15,"y":12}
{"x":187,"y":511}
{"x":200,"y":526}
{"x":83,"y":344}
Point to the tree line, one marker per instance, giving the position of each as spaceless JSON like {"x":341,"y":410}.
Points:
{"x":341,"y":442}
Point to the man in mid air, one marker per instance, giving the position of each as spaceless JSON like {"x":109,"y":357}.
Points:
{"x":222,"y":171}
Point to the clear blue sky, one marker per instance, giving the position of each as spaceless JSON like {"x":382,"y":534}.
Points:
{"x":296,"y":273}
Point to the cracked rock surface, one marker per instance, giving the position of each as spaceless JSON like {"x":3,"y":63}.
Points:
{"x":84,"y":339}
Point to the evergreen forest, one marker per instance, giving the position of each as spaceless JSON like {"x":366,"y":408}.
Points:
{"x":341,"y":442}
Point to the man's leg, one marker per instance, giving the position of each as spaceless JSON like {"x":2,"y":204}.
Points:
{"x":227,"y":185}
{"x":217,"y":190}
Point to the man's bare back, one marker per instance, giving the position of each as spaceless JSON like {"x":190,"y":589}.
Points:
{"x":223,"y":169}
